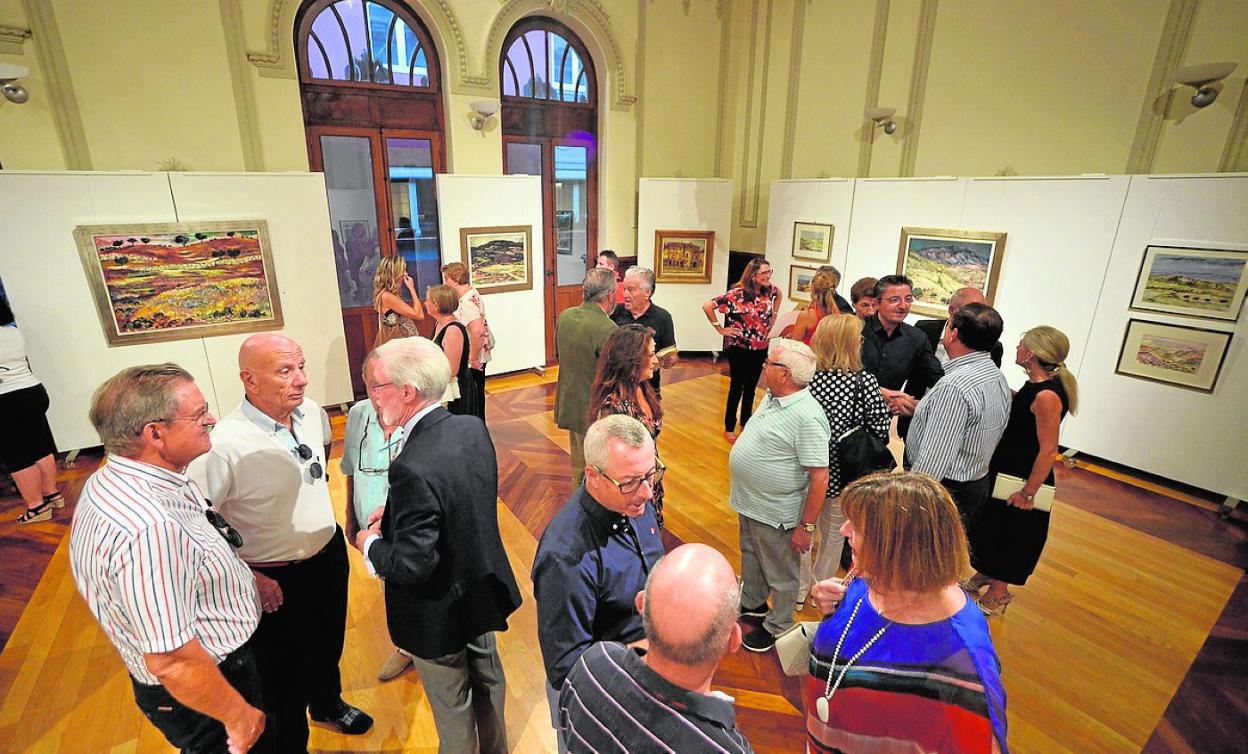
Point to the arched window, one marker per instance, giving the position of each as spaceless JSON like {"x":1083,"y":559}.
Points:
{"x":366,"y":42}
{"x":543,"y":64}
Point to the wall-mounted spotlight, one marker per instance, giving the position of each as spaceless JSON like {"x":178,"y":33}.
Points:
{"x":482,"y":111}
{"x":1202,"y":78}
{"x":13,"y":92}
{"x":883,"y":116}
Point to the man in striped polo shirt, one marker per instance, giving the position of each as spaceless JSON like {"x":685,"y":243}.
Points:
{"x":660,"y":698}
{"x":157,"y":567}
{"x":960,"y":420}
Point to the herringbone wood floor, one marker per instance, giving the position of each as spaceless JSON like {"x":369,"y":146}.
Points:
{"x":1093,"y":649}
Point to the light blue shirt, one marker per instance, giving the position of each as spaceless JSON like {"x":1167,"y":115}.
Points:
{"x":406,"y":429}
{"x":366,"y":457}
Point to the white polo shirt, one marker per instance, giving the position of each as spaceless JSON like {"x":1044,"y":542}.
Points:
{"x":253,"y":475}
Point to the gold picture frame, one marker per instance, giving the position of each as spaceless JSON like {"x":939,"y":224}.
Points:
{"x":499,"y":257}
{"x":801,"y":277}
{"x":684,"y":256}
{"x":812,"y":241}
{"x":1187,"y":357}
{"x":940,"y":261}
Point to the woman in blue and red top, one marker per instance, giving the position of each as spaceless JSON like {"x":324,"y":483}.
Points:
{"x":749,"y":308}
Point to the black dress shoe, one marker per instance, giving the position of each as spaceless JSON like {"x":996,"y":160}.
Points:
{"x":758,"y":640}
{"x":347,"y":719}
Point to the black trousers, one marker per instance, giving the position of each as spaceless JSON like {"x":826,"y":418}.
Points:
{"x":298,"y":646}
{"x":478,"y":384}
{"x":194,"y":732}
{"x":969,"y":497}
{"x":745,"y":365}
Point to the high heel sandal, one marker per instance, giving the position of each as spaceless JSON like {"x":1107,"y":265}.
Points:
{"x":55,"y":499}
{"x":41,"y":512}
{"x":975,"y":583}
{"x":995,"y":606}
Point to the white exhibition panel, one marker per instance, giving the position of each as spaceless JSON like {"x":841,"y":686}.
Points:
{"x":295,"y":208}
{"x":827,"y":201}
{"x":687,"y":204}
{"x":1187,"y":435}
{"x":517,"y":318}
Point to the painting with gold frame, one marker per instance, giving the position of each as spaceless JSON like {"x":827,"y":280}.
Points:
{"x":941,"y":261}
{"x":499,"y":257}
{"x":157,"y":282}
{"x":683,"y":256}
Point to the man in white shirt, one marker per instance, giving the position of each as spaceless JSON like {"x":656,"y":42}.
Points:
{"x":266,"y":477}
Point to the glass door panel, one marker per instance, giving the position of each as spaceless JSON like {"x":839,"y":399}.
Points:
{"x":348,"y":166}
{"x":414,"y":207}
{"x":571,"y":214}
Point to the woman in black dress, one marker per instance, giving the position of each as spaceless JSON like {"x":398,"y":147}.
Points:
{"x":451,"y":336}
{"x":1008,"y":536}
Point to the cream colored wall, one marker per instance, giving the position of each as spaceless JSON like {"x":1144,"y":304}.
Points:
{"x":28,"y":131}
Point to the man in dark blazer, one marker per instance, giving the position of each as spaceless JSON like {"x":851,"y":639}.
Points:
{"x":436,"y":543}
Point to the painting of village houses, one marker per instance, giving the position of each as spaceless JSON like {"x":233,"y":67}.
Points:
{"x":499,"y":258}
{"x":684,"y":256}
{"x":173,"y":281}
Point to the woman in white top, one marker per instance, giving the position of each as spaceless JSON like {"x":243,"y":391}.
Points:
{"x":26,"y":445}
{"x":471,"y":313}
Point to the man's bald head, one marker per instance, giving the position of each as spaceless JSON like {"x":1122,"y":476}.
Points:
{"x":690,"y":606}
{"x":963,"y":296}
{"x":272,"y":370}
{"x":260,"y":347}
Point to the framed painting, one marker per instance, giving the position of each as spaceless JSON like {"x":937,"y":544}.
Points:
{"x":173,"y":281}
{"x":1189,"y":357}
{"x":355,"y":231}
{"x":1196,"y":282}
{"x":800,"y":278}
{"x":812,"y":241}
{"x":942,"y":261}
{"x":683,"y":256}
{"x":499,"y":258}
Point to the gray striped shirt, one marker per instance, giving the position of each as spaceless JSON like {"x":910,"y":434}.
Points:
{"x":959,"y":422}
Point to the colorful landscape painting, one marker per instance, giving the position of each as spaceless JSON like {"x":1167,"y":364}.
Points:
{"x":800,"y":280}
{"x":1198,"y":282}
{"x":1185,"y":356}
{"x":812,"y":241}
{"x":499,"y":258}
{"x":942,"y":261}
{"x":172,"y":281}
{"x":1176,"y":355}
{"x":683,"y":256}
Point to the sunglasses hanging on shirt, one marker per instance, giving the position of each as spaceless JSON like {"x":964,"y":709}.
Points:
{"x":305,"y":453}
{"x":223,"y":527}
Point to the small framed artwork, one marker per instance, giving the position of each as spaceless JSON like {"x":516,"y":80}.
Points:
{"x":1189,"y":357}
{"x":1196,"y":282}
{"x":499,"y":258}
{"x":683,"y":256}
{"x":942,"y":261}
{"x":812,"y":241}
{"x":157,"y":282}
{"x":356,"y":232}
{"x":800,"y":278}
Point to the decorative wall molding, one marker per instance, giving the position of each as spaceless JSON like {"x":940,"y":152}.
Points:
{"x":1170,"y":49}
{"x":240,"y":82}
{"x":60,"y":87}
{"x":755,"y":115}
{"x":1235,"y":153}
{"x":639,"y":133}
{"x":918,"y":85}
{"x":875,"y":71}
{"x":12,"y":38}
{"x":724,"y":12}
{"x":794,"y":87}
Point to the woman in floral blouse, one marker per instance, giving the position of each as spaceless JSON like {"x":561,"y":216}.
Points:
{"x":749,"y":308}
{"x":622,"y":386}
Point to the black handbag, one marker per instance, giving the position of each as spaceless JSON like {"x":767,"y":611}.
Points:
{"x":861,"y":452}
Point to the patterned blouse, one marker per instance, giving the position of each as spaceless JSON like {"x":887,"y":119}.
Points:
{"x":753,"y":314}
{"x":846,"y":408}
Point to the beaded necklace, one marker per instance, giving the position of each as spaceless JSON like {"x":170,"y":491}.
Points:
{"x":829,"y":688}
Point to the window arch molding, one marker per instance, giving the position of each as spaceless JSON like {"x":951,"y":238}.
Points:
{"x":583,"y":88}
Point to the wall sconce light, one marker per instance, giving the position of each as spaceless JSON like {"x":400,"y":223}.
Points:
{"x":482,"y":111}
{"x":1202,"y":78}
{"x":883,"y":116}
{"x":13,"y":92}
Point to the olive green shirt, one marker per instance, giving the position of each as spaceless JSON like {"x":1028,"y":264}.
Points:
{"x":579,"y":336}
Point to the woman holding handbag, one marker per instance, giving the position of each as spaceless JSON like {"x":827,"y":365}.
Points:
{"x":851,"y":399}
{"x":395,"y":317}
{"x":1008,"y":535}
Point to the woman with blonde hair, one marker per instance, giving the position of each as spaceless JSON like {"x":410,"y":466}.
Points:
{"x":471,"y":313}
{"x":395,"y":317}
{"x":822,"y":303}
{"x":850,"y":398}
{"x":1008,"y":536}
{"x":906,"y":661}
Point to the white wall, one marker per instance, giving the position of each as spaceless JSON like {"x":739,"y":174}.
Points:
{"x":48,"y":289}
{"x":517,"y":318}
{"x":687,"y":204}
{"x":828,"y":201}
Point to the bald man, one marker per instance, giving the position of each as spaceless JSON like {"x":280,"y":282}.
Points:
{"x":266,"y":476}
{"x":637,"y":700}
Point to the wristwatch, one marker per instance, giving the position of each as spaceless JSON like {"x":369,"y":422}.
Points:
{"x":809,"y":528}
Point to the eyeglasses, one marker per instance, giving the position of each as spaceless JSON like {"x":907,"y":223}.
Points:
{"x":373,"y":388}
{"x":200,"y":417}
{"x":629,"y":486}
{"x":894,"y":300}
{"x":392,"y":449}
{"x":223,"y":527}
{"x":305,"y":453}
{"x":771,"y":363}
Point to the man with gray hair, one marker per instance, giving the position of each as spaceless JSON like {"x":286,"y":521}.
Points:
{"x":779,"y":474}
{"x":597,"y":551}
{"x":638,"y":309}
{"x":579,"y":335}
{"x":449,"y":585}
{"x":618,"y":697}
{"x":156,"y":565}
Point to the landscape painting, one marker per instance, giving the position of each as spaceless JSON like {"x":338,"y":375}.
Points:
{"x":499,"y":258}
{"x":812,"y":241}
{"x":1196,"y":282}
{"x":942,"y":261}
{"x":173,"y":281}
{"x":800,"y":279}
{"x":1184,"y":356}
{"x":683,"y":256}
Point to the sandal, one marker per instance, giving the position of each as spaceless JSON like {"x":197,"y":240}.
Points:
{"x":56,"y":499}
{"x":995,"y":606}
{"x":41,"y":512}
{"x":974,"y":584}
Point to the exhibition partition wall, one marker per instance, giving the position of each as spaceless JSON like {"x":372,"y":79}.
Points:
{"x":54,"y":305}
{"x":811,"y":206}
{"x":694,"y":205}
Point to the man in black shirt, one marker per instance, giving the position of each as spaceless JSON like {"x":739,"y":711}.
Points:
{"x":896,"y":353}
{"x":640,"y":310}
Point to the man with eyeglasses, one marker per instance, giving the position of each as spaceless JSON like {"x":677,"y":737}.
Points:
{"x":597,"y":551}
{"x":267,"y":478}
{"x":156,"y":566}
{"x":895,"y":352}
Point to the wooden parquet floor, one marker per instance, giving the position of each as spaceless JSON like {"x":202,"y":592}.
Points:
{"x":1131,"y":635}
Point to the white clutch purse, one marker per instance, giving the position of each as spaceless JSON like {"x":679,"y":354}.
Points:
{"x":1007,"y":485}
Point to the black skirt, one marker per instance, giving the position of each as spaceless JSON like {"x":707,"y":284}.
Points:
{"x":26,"y":436}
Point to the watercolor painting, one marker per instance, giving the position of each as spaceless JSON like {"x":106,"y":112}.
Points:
{"x":942,"y":261}
{"x":172,"y":281}
{"x":1185,"y":356}
{"x":800,"y":280}
{"x":499,"y":258}
{"x":1196,"y":282}
{"x":683,"y":256}
{"x":812,"y":241}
